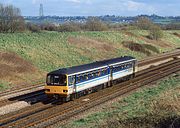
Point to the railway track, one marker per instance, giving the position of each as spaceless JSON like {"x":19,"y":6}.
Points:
{"x":29,"y":97}
{"x":18,"y":92}
{"x":160,"y":57}
{"x":53,"y":113}
{"x":22,"y":87}
{"x":21,"y":90}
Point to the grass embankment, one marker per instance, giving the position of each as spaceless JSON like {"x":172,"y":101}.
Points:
{"x":157,"y":107}
{"x":51,"y":50}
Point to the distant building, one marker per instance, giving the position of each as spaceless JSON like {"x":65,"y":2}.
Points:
{"x":41,"y":12}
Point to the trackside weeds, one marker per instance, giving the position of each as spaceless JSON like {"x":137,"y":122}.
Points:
{"x":149,"y":107}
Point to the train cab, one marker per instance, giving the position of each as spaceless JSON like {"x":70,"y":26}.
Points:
{"x":56,"y":84}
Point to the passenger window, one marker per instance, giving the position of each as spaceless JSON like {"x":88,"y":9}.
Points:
{"x":99,"y":73}
{"x":103,"y":72}
{"x":86,"y":76}
{"x":82,"y":78}
{"x":78,"y":79}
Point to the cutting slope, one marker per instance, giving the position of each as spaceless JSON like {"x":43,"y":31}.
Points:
{"x":15,"y":69}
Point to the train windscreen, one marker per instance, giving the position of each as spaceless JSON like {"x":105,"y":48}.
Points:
{"x":56,"y":80}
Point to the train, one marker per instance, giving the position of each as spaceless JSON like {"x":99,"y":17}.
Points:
{"x":74,"y":82}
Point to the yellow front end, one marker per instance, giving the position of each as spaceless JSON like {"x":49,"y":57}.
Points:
{"x":61,"y":91}
{"x":57,"y":90}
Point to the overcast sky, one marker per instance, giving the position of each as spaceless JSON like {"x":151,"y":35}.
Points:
{"x":97,"y":7}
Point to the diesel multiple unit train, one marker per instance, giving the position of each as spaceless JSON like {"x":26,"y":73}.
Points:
{"x":73,"y":82}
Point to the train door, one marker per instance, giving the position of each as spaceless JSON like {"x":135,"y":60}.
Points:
{"x":110,"y":72}
{"x":72,"y":83}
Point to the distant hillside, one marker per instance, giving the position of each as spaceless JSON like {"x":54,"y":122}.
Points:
{"x":106,"y":18}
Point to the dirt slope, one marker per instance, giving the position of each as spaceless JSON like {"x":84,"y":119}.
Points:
{"x":15,"y":69}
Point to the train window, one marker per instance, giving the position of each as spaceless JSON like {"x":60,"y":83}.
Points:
{"x":59,"y":80}
{"x":122,"y":66}
{"x":89,"y":75}
{"x":71,"y":80}
{"x":125,"y":65}
{"x":98,"y":73}
{"x":78,"y":79}
{"x":130,"y":64}
{"x":56,"y":80}
{"x":86,"y":77}
{"x":103,"y":72}
{"x":82,"y":78}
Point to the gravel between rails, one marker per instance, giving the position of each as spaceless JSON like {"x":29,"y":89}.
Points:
{"x":13,"y":107}
{"x":20,"y":102}
{"x":19,"y":93}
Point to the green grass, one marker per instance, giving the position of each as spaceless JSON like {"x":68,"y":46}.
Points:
{"x":3,"y":85}
{"x":51,"y":50}
{"x":136,"y":110}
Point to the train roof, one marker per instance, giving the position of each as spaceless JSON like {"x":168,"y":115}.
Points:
{"x":97,"y":64}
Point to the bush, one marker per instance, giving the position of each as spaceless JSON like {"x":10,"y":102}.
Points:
{"x":155,"y":32}
{"x":70,"y":27}
{"x":33,"y":27}
{"x":48,"y":27}
{"x":94,"y":24}
{"x":143,"y":23}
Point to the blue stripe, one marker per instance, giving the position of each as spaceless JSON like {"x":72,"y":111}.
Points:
{"x":99,"y":78}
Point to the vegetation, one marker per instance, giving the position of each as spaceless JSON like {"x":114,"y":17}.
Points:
{"x":149,"y":107}
{"x":3,"y":85}
{"x":143,"y":23}
{"x":94,"y":24}
{"x":68,"y":49}
{"x":155,"y":32}
{"x":11,"y":19}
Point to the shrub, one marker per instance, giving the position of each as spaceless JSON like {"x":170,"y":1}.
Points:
{"x":143,"y":23}
{"x":155,"y":32}
{"x":94,"y":24}
{"x":33,"y":27}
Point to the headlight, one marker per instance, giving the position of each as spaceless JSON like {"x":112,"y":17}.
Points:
{"x":65,"y":90}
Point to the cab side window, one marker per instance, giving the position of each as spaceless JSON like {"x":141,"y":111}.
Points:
{"x":71,"y":80}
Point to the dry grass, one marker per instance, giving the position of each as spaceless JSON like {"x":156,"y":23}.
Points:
{"x":176,"y":34}
{"x":160,"y":43}
{"x":88,"y":46}
{"x":142,"y":48}
{"x":90,"y":43}
{"x":15,"y":69}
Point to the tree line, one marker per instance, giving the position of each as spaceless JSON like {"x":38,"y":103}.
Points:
{"x":12,"y":21}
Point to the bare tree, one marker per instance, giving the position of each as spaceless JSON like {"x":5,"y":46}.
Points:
{"x":94,"y":24}
{"x":10,"y":19}
{"x":143,"y":23}
{"x":155,"y":32}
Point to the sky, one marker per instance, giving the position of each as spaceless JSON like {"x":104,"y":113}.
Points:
{"x":97,"y":7}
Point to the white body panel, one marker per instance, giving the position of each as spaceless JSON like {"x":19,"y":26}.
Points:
{"x":122,"y":73}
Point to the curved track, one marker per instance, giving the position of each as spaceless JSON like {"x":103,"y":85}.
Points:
{"x":49,"y":114}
